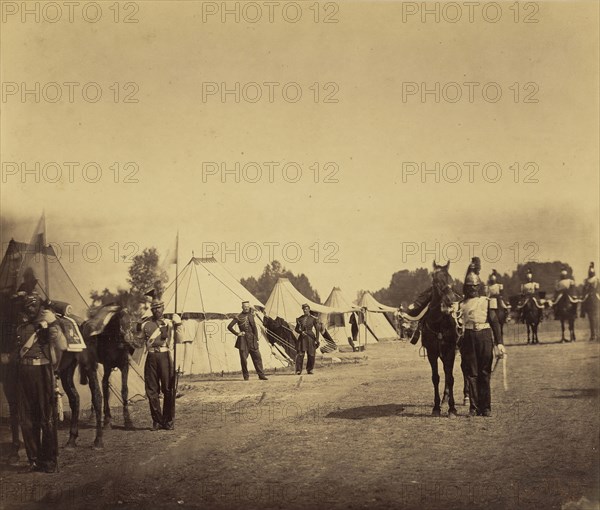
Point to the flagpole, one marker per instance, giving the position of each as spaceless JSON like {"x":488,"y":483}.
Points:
{"x":175,"y":369}
{"x":45,"y":256}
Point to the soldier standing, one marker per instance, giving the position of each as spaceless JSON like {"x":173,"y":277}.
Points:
{"x":247,"y":341}
{"x":160,"y":334}
{"x":494,"y":290}
{"x":591,"y":299}
{"x":477,"y":347}
{"x":40,"y":342}
{"x":307,"y":341}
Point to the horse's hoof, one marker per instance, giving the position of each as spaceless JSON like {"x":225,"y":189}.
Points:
{"x":98,"y":444}
{"x":71,"y":444}
{"x":107,"y":425}
{"x":436,"y":411}
{"x":452,"y":413}
{"x":128,"y":425}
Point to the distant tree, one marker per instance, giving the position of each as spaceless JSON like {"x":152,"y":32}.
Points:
{"x":145,"y":273}
{"x":404,"y":287}
{"x":262,"y":286}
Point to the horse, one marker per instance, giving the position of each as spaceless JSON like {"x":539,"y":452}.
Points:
{"x":532,"y":316}
{"x":565,"y":309}
{"x":589,"y":306}
{"x":115,"y":343}
{"x":439,"y":336}
{"x":87,"y":362}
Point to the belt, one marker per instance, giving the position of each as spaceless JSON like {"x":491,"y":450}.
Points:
{"x":34,"y":361}
{"x":477,"y":326}
{"x":158,"y":349}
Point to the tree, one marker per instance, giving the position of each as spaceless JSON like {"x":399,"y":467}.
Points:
{"x":145,"y":273}
{"x":262,"y":287}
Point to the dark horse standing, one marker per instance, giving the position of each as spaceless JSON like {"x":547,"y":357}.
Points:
{"x":87,"y":362}
{"x":114,"y":343}
{"x":532,"y":316}
{"x":439,"y":336}
{"x":565,"y":309}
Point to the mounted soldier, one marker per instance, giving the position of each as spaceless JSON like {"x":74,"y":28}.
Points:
{"x":529,"y":289}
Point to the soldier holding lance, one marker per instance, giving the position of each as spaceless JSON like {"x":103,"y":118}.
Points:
{"x":160,"y":335}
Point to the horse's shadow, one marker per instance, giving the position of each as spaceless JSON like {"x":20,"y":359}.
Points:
{"x":380,"y":411}
{"x":585,"y":393}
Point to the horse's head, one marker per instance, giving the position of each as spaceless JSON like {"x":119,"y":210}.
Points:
{"x":442,"y":287}
{"x":125,"y":322}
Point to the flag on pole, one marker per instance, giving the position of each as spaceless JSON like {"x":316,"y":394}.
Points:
{"x":38,"y":240}
{"x":171,"y":255}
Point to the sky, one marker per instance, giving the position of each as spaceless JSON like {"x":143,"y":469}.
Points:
{"x":364,"y":174}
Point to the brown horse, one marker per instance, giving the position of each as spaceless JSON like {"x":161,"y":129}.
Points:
{"x":439,"y":336}
{"x":114,"y":343}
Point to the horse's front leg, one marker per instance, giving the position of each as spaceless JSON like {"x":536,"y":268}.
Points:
{"x":125,"y":395}
{"x":106,"y":396}
{"x":97,"y":405}
{"x":572,"y":329}
{"x":68,"y":384}
{"x":448,"y":362}
{"x":562,"y":331}
{"x":528,"y":331}
{"x":435,"y":379}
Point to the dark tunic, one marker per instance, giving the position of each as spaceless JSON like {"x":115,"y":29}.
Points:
{"x":247,"y":324}
{"x":307,"y":339}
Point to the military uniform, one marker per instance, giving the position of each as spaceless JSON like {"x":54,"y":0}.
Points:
{"x":307,"y":342}
{"x":247,"y":343}
{"x":494,"y":293}
{"x":39,"y":345}
{"x":477,"y":348}
{"x":159,"y":336}
{"x":8,"y":376}
{"x":528,"y":291}
{"x":591,"y":300}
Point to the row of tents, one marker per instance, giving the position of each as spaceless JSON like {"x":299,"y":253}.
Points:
{"x":207,"y":296}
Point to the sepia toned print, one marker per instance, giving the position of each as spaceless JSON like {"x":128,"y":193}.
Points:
{"x":390,"y":207}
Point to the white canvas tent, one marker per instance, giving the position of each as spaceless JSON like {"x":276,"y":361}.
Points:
{"x":208,"y":297}
{"x":376,"y":318}
{"x":286,"y":302}
{"x":341,"y":326}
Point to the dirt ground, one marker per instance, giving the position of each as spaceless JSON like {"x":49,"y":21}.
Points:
{"x":356,"y":434}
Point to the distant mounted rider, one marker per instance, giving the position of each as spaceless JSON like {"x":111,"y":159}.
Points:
{"x":529,"y":290}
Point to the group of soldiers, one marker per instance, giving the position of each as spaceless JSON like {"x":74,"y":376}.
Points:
{"x":40,"y":341}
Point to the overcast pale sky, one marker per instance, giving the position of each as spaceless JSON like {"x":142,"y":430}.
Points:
{"x":353,"y":233}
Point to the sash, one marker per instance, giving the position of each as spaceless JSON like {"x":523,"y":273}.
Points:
{"x":28,"y":345}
